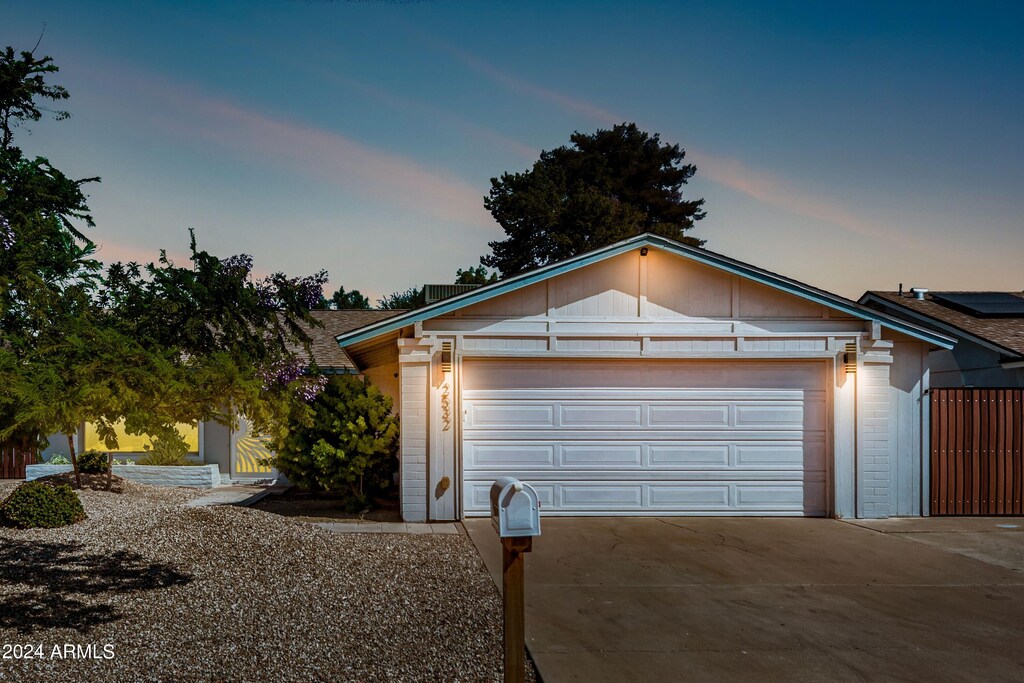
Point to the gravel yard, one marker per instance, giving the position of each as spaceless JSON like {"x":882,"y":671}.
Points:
{"x":232,"y":594}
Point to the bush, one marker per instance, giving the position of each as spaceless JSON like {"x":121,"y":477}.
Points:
{"x":92,"y":462}
{"x":36,"y":504}
{"x":346,"y":440}
{"x":58,"y":460}
{"x":166,"y":452}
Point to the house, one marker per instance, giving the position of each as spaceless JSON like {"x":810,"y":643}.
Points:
{"x":988,"y":328}
{"x":238,"y":453}
{"x":649,"y":377}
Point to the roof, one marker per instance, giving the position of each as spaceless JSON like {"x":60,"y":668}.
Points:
{"x":655,"y":242}
{"x":1007,"y":334}
{"x":326,"y":352}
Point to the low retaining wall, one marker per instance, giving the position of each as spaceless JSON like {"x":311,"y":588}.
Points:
{"x":198,"y":476}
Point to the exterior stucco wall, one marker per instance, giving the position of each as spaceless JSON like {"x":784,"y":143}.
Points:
{"x":385,"y":378}
{"x":217,"y":447}
{"x":971,"y":365}
{"x":909,"y":378}
{"x":58,"y":446}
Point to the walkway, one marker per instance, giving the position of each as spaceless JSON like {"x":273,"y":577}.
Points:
{"x":234,"y":494}
{"x":357,"y":527}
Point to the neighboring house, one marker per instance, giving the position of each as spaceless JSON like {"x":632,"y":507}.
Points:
{"x":988,"y":328}
{"x":238,"y":452}
{"x":653,"y":378}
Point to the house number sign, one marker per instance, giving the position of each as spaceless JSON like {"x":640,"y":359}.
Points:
{"x":446,"y":408}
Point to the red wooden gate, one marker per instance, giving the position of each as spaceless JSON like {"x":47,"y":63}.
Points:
{"x":976,"y":443}
{"x":13,"y":458}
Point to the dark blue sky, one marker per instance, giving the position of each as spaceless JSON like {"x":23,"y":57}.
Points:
{"x":849,"y":145}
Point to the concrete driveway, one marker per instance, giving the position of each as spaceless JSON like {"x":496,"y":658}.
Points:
{"x":672,"y":599}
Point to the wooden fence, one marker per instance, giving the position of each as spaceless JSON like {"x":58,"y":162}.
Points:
{"x":976,"y":443}
{"x":14,"y":455}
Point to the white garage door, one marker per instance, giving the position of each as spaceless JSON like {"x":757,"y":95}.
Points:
{"x":648,"y":437}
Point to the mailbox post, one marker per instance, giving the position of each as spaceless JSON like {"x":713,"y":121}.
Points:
{"x":515,"y":514}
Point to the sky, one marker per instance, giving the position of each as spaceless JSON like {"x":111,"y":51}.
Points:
{"x":851,"y":146}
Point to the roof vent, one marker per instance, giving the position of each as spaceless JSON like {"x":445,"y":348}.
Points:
{"x":918,"y":292}
{"x":434,"y":293}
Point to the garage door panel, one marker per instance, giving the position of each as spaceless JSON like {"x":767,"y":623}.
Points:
{"x":598,"y":415}
{"x":653,"y":476}
{"x":711,"y":497}
{"x":508,"y":456}
{"x":638,"y":434}
{"x":568,"y":374}
{"x":692,"y":496}
{"x":679,"y":437}
{"x":688,"y":455}
{"x":477,"y":496}
{"x":806,"y":455}
{"x":689,"y":416}
{"x":589,"y":456}
{"x":779,"y":416}
{"x":574,"y":496}
{"x":510,"y":415}
{"x":694,"y":396}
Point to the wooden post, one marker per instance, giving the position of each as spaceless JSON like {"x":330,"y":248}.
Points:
{"x":74,"y":461}
{"x":512,"y":587}
{"x":110,"y":469}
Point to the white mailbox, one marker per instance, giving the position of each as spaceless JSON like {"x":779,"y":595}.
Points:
{"x":515,"y":510}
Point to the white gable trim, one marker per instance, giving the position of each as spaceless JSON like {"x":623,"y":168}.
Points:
{"x":709,"y":258}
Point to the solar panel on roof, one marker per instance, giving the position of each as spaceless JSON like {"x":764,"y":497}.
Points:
{"x":982,"y":304}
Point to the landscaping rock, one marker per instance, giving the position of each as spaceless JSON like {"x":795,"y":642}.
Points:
{"x":232,"y":594}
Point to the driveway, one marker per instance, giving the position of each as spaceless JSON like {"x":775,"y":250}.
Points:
{"x":672,"y":599}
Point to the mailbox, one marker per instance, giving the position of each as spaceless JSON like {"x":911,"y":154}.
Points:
{"x":515,"y":510}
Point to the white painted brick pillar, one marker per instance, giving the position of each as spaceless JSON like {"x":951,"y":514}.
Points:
{"x":413,"y":380}
{"x":875,"y":438}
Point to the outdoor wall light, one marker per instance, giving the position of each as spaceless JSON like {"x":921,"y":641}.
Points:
{"x":850,"y":359}
{"x":446,"y":357}
{"x":643,"y":251}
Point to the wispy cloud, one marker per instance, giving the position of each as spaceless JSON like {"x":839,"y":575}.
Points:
{"x":777,"y":191}
{"x":325,"y":155}
{"x":758,"y":184}
{"x":408,"y":105}
{"x":572,"y":104}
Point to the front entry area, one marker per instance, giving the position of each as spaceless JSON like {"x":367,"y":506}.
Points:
{"x":649,"y":437}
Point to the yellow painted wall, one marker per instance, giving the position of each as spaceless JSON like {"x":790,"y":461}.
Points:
{"x":136,"y":443}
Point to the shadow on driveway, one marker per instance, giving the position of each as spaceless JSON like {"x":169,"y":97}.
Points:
{"x":667,"y":599}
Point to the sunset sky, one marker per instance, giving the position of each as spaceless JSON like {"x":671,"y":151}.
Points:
{"x":852,"y":146}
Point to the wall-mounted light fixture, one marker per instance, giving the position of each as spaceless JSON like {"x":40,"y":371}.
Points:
{"x":446,"y":357}
{"x":643,"y":251}
{"x":850,"y":359}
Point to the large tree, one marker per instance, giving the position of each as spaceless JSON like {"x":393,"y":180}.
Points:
{"x":230,"y":342}
{"x":474,"y":276}
{"x":414,"y":297}
{"x":344,"y":300}
{"x":47,"y":273}
{"x":604,"y":187}
{"x":151,"y":345}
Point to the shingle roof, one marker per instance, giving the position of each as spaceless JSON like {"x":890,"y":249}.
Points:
{"x":326,"y":352}
{"x":1007,"y":333}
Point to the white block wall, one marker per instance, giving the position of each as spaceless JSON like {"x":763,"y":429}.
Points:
{"x":413,"y":378}
{"x":875,"y":442}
